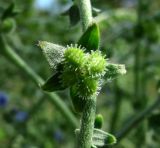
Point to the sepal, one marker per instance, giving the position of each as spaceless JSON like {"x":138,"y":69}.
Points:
{"x":114,"y":70}
{"x":91,"y":38}
{"x":53,"y":52}
{"x":53,"y":83}
{"x":101,"y":138}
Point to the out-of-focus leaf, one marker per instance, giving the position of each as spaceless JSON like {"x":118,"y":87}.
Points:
{"x":53,"y":53}
{"x":1,"y":11}
{"x":74,"y":15}
{"x":8,"y":25}
{"x":154,"y":121}
{"x":158,"y":84}
{"x":2,"y":134}
{"x":156,"y":17}
{"x":91,"y":38}
{"x":9,"y":12}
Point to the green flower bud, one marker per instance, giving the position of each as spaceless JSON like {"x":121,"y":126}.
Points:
{"x":98,"y":121}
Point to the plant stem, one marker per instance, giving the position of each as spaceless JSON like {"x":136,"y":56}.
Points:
{"x":85,"y":13}
{"x":87,"y":123}
{"x":7,"y":51}
{"x":88,"y":115}
{"x":137,"y":119}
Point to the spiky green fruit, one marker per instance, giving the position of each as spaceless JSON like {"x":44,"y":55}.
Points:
{"x":83,"y":70}
{"x":96,"y":64}
{"x":74,"y":57}
{"x":74,"y":61}
{"x":88,"y":87}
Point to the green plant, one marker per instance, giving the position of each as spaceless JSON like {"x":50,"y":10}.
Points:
{"x":128,"y":36}
{"x":84,"y":70}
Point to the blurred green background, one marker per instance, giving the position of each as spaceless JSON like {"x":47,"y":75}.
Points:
{"x":130,"y":35}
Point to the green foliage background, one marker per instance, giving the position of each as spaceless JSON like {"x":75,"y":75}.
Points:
{"x":129,"y":36}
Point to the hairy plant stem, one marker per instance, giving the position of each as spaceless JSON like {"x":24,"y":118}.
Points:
{"x":87,"y":123}
{"x":85,"y":13}
{"x":88,"y":115}
{"x":7,"y":51}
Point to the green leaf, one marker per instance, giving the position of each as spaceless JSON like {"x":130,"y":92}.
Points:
{"x":53,"y":83}
{"x":91,"y":38}
{"x":74,"y":15}
{"x":101,"y":138}
{"x":98,"y":121}
{"x":53,"y":53}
